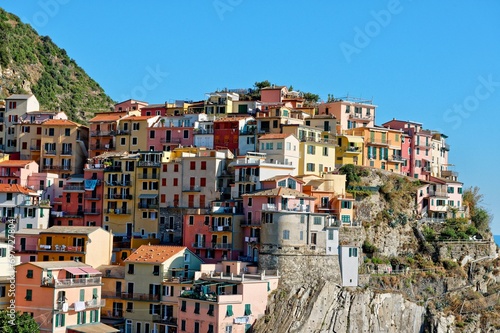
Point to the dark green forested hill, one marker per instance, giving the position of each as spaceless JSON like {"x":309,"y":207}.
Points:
{"x":30,"y":63}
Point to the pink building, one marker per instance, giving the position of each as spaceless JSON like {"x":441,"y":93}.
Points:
{"x":168,"y":133}
{"x":154,"y":110}
{"x":130,"y":105}
{"x":225,"y":299}
{"x":62,"y":296}
{"x":26,"y":244}
{"x":17,"y":171}
{"x":350,"y":112}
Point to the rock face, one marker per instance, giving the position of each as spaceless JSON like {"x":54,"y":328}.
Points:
{"x":331,"y":308}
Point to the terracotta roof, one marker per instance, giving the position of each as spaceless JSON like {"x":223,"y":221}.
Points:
{"x":237,"y":118}
{"x":140,"y":117}
{"x":278,"y":192}
{"x":279,"y":177}
{"x":275,"y":136}
{"x":15,"y":163}
{"x":14,"y":188}
{"x":154,"y":253}
{"x":60,"y":122}
{"x":108,"y":116}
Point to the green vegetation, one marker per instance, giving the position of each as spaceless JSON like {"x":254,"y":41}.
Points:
{"x":23,"y":323}
{"x":353,"y":173}
{"x":479,"y":216}
{"x":56,"y":80}
{"x":368,"y":247}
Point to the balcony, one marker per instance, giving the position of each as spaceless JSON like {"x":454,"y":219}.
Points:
{"x":274,"y":208}
{"x":111,"y":294}
{"x":35,"y":148}
{"x":102,"y":133}
{"x":56,"y":167}
{"x":379,"y":142}
{"x":67,"y":283}
{"x":446,"y":147}
{"x":74,"y":188}
{"x":92,"y":197}
{"x":61,"y":248}
{"x":397,"y":159}
{"x":442,"y":194}
{"x":123,"y":132}
{"x":169,"y":321}
{"x":248,"y":178}
{"x":224,"y":246}
{"x":199,"y":245}
{"x":112,"y":168}
{"x":149,"y":164}
{"x":117,"y":183}
{"x":191,"y":189}
{"x":102,"y":146}
{"x":92,"y":211}
{"x":318,"y":140}
{"x":165,"y":140}
{"x":360,"y":116}
{"x":67,"y":152}
{"x":250,"y":223}
{"x":153,"y":176}
{"x":50,"y":152}
{"x":252,"y":239}
{"x":118,"y":196}
{"x":220,"y":228}
{"x":449,"y":174}
{"x":141,"y":205}
{"x":223,"y":210}
{"x":353,"y":150}
{"x":141,"y":297}
{"x":117,"y":211}
{"x":212,"y":297}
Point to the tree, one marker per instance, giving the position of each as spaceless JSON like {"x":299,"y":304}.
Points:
{"x":23,"y":323}
{"x":310,"y":97}
{"x":478,"y":215}
{"x":262,"y":84}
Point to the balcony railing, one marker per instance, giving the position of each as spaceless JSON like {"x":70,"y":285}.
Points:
{"x":117,"y":211}
{"x":221,"y":245}
{"x":397,"y":158}
{"x":62,"y":248}
{"x":169,"y":321}
{"x":118,"y":196}
{"x":148,"y":164}
{"x":147,"y":206}
{"x":117,"y":183}
{"x":74,"y":188}
{"x":66,"y":152}
{"x":92,"y":197}
{"x":199,"y":245}
{"x":191,"y":189}
{"x":141,"y":297}
{"x":102,"y":133}
{"x":165,"y":140}
{"x":246,"y":223}
{"x":123,"y":132}
{"x":35,"y":148}
{"x":57,"y":167}
{"x":380,"y":142}
{"x":252,"y":239}
{"x":353,"y":149}
{"x":153,"y":176}
{"x":102,"y":146}
{"x":65,"y":283}
{"x":50,"y":152}
{"x":92,"y":211}
{"x":216,"y":228}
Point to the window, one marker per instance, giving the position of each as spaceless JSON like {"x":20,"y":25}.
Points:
{"x":191,"y":219}
{"x":248,"y":310}
{"x":186,"y":134}
{"x":451,"y":189}
{"x":279,"y":145}
{"x":192,"y":165}
{"x":353,"y":252}
{"x":229,"y":311}
{"x":123,"y":141}
{"x":2,"y":291}
{"x":152,"y":134}
{"x":176,"y":167}
{"x":29,"y":274}
{"x":60,"y":320}
{"x":94,"y":316}
{"x":9,"y":196}
{"x":286,"y":234}
{"x":346,"y":219}
{"x":197,"y":308}
{"x":346,"y":204}
{"x":325,"y":151}
{"x":175,"y":182}
{"x":196,"y":327}
{"x":311,"y":150}
{"x":330,"y":234}
{"x":203,"y":165}
{"x":156,"y":270}
{"x":210,"y":328}
{"x":154,"y":309}
{"x":183,"y":306}
{"x":210,"y":310}
{"x":67,"y":132}
{"x":203,"y":182}
{"x":250,"y":202}
{"x":183,"y":324}
{"x":29,"y":294}
{"x":135,"y":126}
{"x":130,"y":268}
{"x":317,"y":220}
{"x":134,"y":141}
{"x":310,"y":166}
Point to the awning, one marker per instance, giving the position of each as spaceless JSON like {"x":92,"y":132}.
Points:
{"x":148,"y":196}
{"x":90,"y":270}
{"x":352,"y":138}
{"x":90,"y":184}
{"x":75,"y":271}
{"x":92,"y":328}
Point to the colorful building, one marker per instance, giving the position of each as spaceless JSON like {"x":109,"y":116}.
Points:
{"x":17,"y":171}
{"x":350,"y":112}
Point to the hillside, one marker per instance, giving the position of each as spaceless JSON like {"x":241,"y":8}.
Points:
{"x":415,"y":276}
{"x":30,"y":63}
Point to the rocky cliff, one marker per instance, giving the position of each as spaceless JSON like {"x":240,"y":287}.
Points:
{"x":412,"y":278}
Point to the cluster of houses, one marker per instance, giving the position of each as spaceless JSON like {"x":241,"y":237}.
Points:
{"x":153,"y":217}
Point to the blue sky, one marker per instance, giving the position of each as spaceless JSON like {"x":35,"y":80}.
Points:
{"x":433,"y":62}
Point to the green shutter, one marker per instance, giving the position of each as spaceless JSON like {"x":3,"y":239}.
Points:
{"x":63,"y":319}
{"x":57,"y":320}
{"x":229,"y":311}
{"x":269,"y":286}
{"x":248,"y":310}
{"x":84,"y":317}
{"x":94,"y":293}
{"x":374,"y":151}
{"x":82,"y":295}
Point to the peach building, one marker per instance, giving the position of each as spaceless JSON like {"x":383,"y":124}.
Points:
{"x":350,"y":112}
{"x":26,"y":244}
{"x":62,"y":296}
{"x":17,"y":171}
{"x":226,"y":297}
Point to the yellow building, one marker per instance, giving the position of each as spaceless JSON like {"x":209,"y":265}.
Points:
{"x":349,"y":150}
{"x":220,"y":103}
{"x":63,"y":147}
{"x":91,"y":245}
{"x":132,"y":134}
{"x":382,"y":147}
{"x":145,"y":272}
{"x":113,"y":286}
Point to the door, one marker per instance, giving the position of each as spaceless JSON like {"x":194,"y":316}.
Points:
{"x":23,"y":244}
{"x":130,"y":288}
{"x":49,"y":241}
{"x":118,"y":288}
{"x":313,"y":238}
{"x":129,"y":230}
{"x":168,"y":136}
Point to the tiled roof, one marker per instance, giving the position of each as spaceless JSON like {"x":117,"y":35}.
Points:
{"x":237,"y":118}
{"x":108,"y":116}
{"x":56,"y":264}
{"x":141,"y":117}
{"x":275,"y":136}
{"x":15,"y":163}
{"x":279,"y":192}
{"x":19,"y":96}
{"x":14,"y":188}
{"x":279,"y":177}
{"x":60,"y":122}
{"x":27,"y":231}
{"x":154,"y":253}
{"x":70,"y":230}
